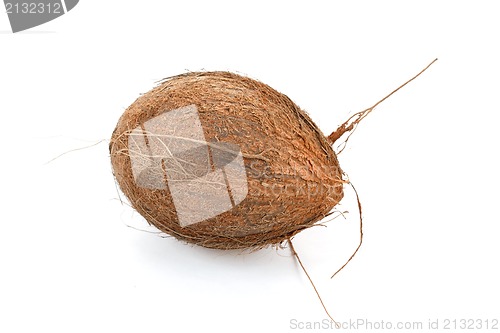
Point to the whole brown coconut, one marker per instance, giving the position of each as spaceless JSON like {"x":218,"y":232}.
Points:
{"x":224,"y":161}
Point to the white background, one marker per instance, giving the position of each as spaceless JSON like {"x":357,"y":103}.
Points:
{"x":425,"y":164}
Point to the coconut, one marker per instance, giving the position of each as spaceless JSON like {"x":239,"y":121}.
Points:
{"x":224,"y":161}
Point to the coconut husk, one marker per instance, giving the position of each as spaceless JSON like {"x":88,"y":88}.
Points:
{"x":292,"y":177}
{"x":224,"y":161}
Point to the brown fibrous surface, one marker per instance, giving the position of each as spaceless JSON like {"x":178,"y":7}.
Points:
{"x":294,"y":178}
